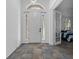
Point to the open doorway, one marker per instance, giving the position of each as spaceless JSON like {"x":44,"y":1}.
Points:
{"x":64,"y":29}
{"x":64,"y":26}
{"x":57,"y":18}
{"x":64,"y":22}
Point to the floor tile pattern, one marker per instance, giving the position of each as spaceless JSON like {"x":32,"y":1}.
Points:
{"x":43,"y":51}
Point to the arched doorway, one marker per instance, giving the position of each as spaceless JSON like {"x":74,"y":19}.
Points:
{"x":35,"y":29}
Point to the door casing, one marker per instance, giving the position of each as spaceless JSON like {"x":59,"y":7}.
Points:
{"x":41,"y":26}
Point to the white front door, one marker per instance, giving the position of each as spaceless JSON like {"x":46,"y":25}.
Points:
{"x":34,"y":27}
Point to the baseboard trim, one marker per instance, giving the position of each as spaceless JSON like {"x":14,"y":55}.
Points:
{"x":13,"y":51}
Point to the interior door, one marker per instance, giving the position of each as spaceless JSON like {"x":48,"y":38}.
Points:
{"x":58,"y":27}
{"x":34,"y":27}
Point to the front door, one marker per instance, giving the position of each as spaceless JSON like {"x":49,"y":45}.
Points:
{"x":34,"y":27}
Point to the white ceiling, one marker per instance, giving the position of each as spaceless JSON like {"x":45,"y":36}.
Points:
{"x":66,"y":7}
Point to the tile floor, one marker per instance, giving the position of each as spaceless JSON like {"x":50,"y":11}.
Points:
{"x":43,"y":51}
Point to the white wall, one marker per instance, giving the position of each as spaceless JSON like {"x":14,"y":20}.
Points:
{"x":51,"y":23}
{"x":12,"y":26}
{"x":23,"y":23}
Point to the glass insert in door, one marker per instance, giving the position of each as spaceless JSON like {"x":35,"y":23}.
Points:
{"x":58,"y":27}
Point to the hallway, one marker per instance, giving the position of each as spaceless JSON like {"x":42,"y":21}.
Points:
{"x":43,"y":51}
{"x":34,"y":29}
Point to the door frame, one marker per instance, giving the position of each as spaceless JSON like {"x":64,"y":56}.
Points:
{"x":26,"y":37}
{"x":56,"y":43}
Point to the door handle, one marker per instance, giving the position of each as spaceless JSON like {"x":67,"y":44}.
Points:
{"x":39,"y":29}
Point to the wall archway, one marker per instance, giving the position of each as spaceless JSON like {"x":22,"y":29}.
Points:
{"x":36,"y":5}
{"x":42,"y":11}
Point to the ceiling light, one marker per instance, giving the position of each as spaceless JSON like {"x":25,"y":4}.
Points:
{"x":33,"y":1}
